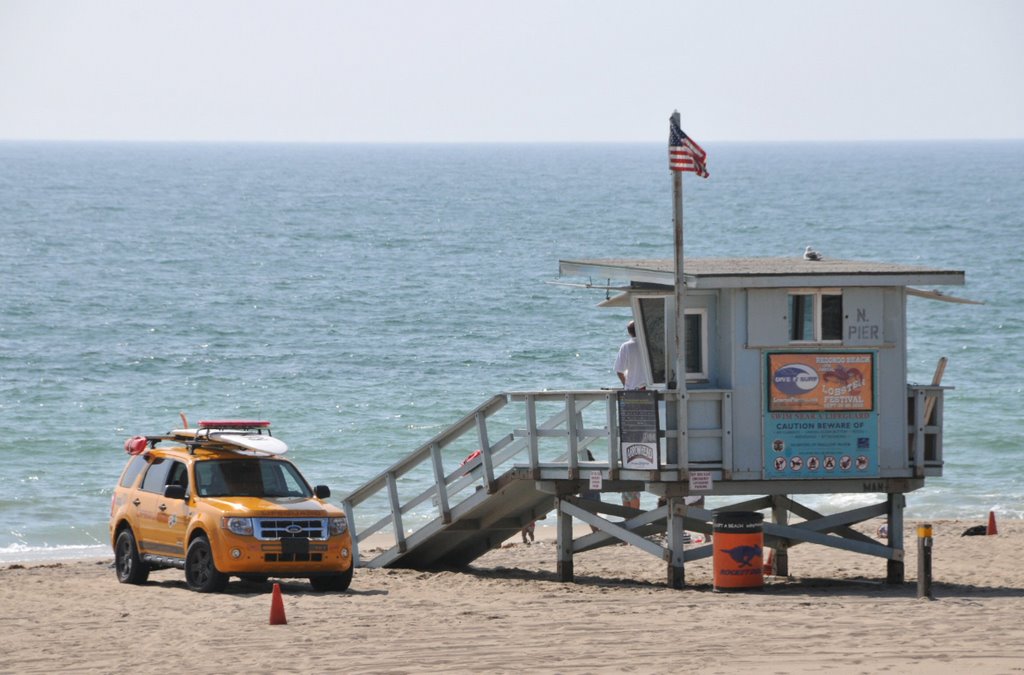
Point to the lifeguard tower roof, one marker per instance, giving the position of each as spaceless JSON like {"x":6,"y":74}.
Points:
{"x":763,"y":272}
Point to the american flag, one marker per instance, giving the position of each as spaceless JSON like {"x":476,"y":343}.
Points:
{"x":683,"y":153}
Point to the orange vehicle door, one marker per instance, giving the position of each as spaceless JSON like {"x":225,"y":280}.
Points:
{"x":162,"y":520}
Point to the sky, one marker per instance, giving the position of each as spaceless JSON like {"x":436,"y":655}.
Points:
{"x":523,"y":71}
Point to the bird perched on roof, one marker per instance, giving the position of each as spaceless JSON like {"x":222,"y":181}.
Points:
{"x":811,"y":254}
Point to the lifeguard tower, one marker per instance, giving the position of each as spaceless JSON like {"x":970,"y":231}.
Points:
{"x":795,"y":384}
{"x":793,"y":381}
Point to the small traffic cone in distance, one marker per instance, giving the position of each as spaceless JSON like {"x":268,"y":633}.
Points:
{"x":991,"y":529}
{"x":277,"y":617}
{"x":769,"y":565}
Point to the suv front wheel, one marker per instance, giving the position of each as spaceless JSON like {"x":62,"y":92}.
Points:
{"x":130,"y":568}
{"x":200,"y":572}
{"x":333,"y":582}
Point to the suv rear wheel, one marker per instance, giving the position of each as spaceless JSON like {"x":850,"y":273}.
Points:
{"x":200,"y":572}
{"x":130,"y":568}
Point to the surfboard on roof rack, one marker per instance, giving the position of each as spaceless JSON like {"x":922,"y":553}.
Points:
{"x":243,"y":435}
{"x":249,"y":435}
{"x":257,"y":443}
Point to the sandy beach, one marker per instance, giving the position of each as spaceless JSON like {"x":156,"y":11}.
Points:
{"x":508,"y":613}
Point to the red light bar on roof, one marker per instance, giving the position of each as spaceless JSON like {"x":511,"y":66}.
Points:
{"x":234,"y":424}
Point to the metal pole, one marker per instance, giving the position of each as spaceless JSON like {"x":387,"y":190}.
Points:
{"x":924,"y":561}
{"x":682,"y":458}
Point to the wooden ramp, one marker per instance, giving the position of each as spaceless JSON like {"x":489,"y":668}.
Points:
{"x":479,"y":523}
{"x":467,"y":497}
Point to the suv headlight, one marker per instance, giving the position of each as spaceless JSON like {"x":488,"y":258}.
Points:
{"x":242,"y":526}
{"x":338,"y":526}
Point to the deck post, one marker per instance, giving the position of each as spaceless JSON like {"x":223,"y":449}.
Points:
{"x":440,"y":486}
{"x":531,"y":430}
{"x":894,"y":568}
{"x":351,"y":517}
{"x":572,"y":431}
{"x":485,"y":452}
{"x":671,"y":432}
{"x":396,"y":510}
{"x":675,"y":533}
{"x":919,"y":433}
{"x":614,"y":459}
{"x":564,"y":542}
{"x":780,"y":516}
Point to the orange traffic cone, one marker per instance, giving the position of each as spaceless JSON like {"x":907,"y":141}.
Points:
{"x":769,"y":565}
{"x":277,"y":608}
{"x":991,"y":523}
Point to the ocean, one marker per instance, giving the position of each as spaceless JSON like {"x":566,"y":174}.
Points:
{"x":363,"y":297}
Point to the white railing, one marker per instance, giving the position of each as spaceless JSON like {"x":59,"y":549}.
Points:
{"x":924,"y":428}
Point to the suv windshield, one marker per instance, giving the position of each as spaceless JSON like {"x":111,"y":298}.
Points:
{"x":249,"y":478}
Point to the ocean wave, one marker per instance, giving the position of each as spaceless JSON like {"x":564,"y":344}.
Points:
{"x":18,"y":553}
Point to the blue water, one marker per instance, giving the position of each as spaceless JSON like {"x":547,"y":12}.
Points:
{"x":362,"y":297}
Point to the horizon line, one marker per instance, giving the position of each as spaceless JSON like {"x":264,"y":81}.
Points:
{"x":237,"y":141}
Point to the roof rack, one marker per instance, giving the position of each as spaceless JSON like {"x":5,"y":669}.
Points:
{"x":235,"y":425}
{"x":204,"y":435}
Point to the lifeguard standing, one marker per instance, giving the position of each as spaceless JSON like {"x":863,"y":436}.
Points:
{"x":629,"y":364}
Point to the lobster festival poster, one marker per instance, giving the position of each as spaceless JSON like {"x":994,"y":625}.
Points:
{"x":820,"y":420}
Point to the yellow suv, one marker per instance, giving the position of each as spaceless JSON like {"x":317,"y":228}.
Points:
{"x":219,"y":501}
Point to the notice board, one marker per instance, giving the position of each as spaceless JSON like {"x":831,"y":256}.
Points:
{"x":638,"y":429}
{"x":820,"y":420}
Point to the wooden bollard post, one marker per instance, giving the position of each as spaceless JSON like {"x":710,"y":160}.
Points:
{"x":924,"y":561}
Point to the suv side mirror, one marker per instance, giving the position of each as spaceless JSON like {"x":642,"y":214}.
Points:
{"x":174,"y":492}
{"x":322,"y":491}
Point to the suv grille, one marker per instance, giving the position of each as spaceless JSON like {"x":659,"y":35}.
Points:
{"x":293,"y":557}
{"x":268,"y":529}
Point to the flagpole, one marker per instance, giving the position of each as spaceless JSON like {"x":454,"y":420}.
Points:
{"x":683,"y":155}
{"x":682,"y":451}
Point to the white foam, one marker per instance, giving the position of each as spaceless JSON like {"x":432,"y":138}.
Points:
{"x":20,"y":553}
